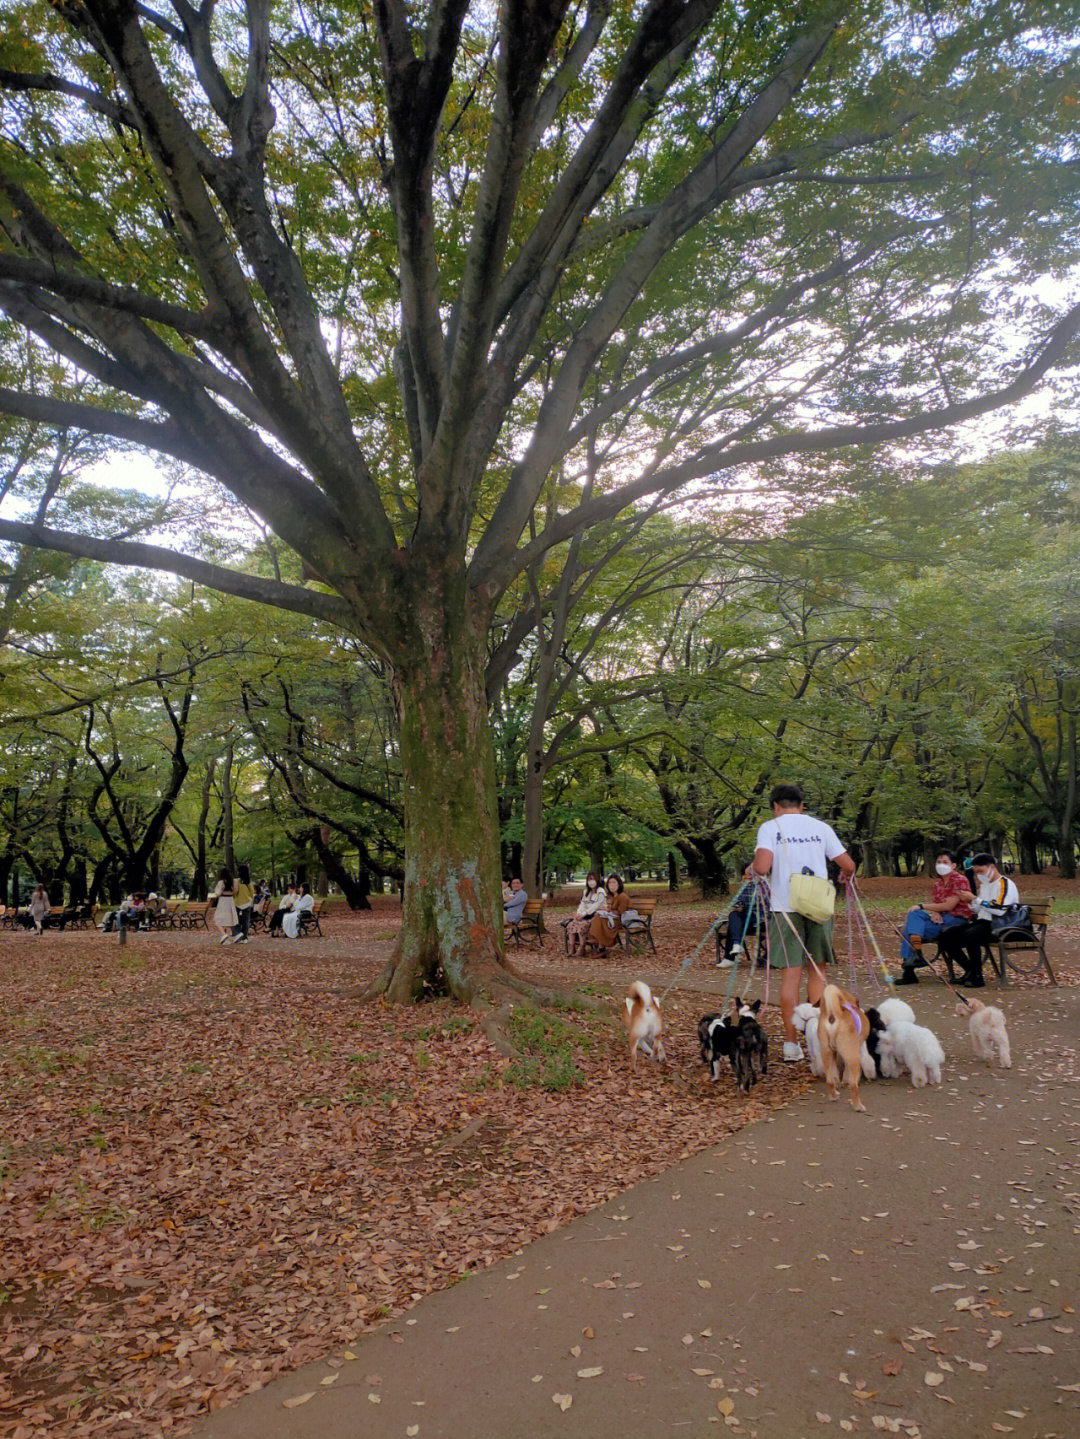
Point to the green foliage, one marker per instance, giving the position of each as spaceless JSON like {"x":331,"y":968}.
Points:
{"x":547,"y":1049}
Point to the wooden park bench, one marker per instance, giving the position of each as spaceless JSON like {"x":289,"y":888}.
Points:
{"x":192,"y":914}
{"x":529,"y":926}
{"x":638,"y":932}
{"x":1023,"y":949}
{"x":309,"y":918}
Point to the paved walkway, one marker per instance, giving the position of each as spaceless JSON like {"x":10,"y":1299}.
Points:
{"x":915,"y":1270}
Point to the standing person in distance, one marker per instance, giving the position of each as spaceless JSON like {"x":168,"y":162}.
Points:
{"x":791,"y":843}
{"x":245,"y":898}
{"x":225,"y":917}
{"x":39,"y":907}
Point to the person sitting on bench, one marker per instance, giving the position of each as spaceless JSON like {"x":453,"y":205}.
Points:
{"x":290,"y":925}
{"x":285,"y":904}
{"x":514,"y":905}
{"x":950,"y":906}
{"x":996,"y":895}
{"x":746,"y":911}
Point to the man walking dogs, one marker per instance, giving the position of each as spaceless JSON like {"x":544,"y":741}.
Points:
{"x":791,"y":844}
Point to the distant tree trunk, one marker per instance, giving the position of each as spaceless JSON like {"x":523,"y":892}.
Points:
{"x":355,"y":891}
{"x":199,"y":887}
{"x":533,"y":800}
{"x":1068,"y":811}
{"x":1027,"y":844}
{"x":227,"y":811}
{"x":672,"y":872}
{"x":704,"y":865}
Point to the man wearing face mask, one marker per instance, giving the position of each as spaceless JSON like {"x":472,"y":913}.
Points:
{"x":995,"y":895}
{"x":950,"y":906}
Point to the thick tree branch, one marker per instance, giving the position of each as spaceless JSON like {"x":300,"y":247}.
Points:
{"x":712,"y":459}
{"x":201,"y":572}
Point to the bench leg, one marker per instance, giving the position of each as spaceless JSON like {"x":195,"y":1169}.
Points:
{"x":998,"y":964}
{"x":1045,"y":959}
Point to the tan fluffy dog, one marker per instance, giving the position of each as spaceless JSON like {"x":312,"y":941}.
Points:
{"x":842,"y":1029}
{"x":643,"y":1023}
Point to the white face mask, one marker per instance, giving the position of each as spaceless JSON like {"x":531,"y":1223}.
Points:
{"x":943,"y":867}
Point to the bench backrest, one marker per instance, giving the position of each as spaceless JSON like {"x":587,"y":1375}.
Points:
{"x":532,"y":908}
{"x":1040,"y":909}
{"x":644,"y":907}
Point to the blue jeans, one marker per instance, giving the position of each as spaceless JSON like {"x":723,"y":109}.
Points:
{"x":738,"y":918}
{"x":923,"y":924}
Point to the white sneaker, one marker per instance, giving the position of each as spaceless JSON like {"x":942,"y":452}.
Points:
{"x":792,"y":1051}
{"x":736,"y":949}
{"x":725,"y":964}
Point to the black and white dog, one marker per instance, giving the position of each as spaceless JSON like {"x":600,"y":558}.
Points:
{"x":717,"y":1041}
{"x":740,"y":1039}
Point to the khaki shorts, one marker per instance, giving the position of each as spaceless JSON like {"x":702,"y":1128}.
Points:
{"x":785,"y":951}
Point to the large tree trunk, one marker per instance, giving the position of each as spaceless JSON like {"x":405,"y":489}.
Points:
{"x":451,"y":931}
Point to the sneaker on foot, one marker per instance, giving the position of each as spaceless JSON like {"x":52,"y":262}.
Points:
{"x":736,"y":949}
{"x":725,"y":964}
{"x":792,"y":1051}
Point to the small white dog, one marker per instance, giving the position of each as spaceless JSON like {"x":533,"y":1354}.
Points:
{"x":913,"y":1047}
{"x":892,"y":1010}
{"x":989,"y":1037}
{"x":805,"y":1019}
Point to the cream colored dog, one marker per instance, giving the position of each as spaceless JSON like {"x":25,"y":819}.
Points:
{"x":989,"y":1037}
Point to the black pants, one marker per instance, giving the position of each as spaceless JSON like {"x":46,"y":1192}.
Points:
{"x":963,"y":944}
{"x":277,"y":919}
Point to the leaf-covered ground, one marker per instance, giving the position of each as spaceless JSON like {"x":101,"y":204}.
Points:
{"x":216,"y":1164}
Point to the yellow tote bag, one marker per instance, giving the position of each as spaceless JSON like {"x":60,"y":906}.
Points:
{"x":812,"y":897}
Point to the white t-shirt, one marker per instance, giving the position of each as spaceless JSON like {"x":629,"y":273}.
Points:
{"x":797,"y":842}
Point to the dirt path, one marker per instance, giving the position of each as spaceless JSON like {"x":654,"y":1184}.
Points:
{"x":910,"y":1271}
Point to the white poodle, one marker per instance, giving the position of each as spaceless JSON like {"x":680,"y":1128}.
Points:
{"x":989,"y":1037}
{"x":892,"y":1010}
{"x":805,"y":1019}
{"x":913,"y":1047}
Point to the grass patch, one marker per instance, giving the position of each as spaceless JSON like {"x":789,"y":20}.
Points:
{"x":452,"y":1024}
{"x":547,"y":1050}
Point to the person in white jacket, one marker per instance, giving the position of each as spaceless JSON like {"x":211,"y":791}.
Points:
{"x":995,"y":896}
{"x":291,"y":923}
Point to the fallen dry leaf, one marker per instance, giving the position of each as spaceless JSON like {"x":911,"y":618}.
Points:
{"x":563,"y":1401}
{"x":297,"y":1400}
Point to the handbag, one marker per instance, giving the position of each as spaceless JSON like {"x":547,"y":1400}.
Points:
{"x":812,"y":897}
{"x":1016,"y":916}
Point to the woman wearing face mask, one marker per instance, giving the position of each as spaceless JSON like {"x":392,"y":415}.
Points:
{"x":996,"y":894}
{"x":950,"y":906}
